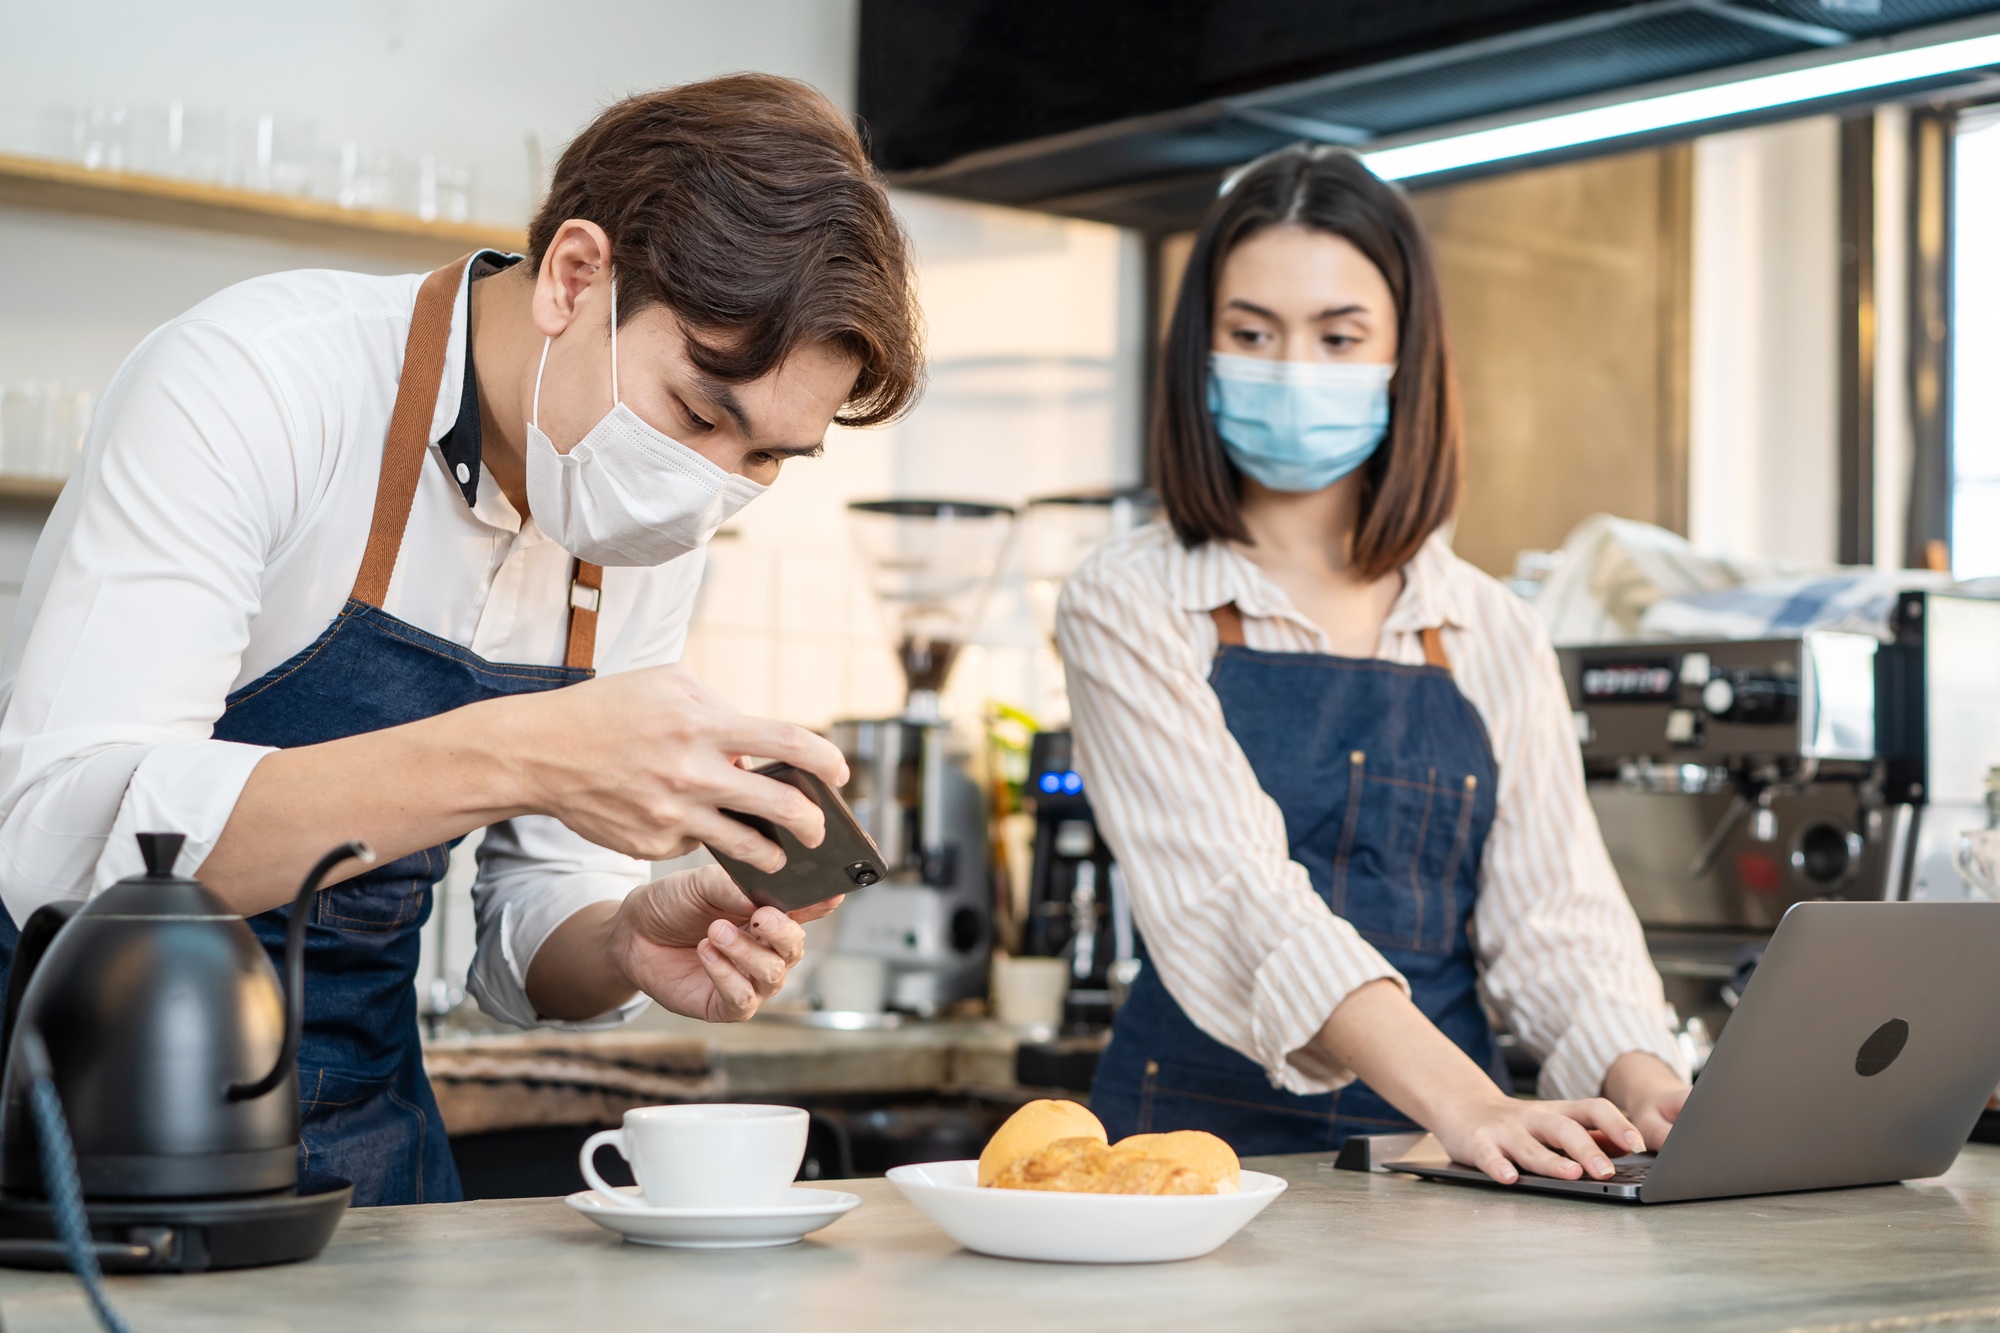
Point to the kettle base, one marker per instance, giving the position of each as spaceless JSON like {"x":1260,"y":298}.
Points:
{"x":186,"y":1235}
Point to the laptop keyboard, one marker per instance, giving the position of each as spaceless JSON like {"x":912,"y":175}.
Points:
{"x":1627,"y":1175}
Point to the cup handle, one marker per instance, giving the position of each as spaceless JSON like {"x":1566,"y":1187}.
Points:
{"x":616,"y":1138}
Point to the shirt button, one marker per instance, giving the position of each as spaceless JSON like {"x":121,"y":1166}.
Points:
{"x":464,"y":474}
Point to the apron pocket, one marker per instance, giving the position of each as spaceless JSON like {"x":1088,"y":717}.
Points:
{"x":371,"y":906}
{"x":359,"y":1130}
{"x":1404,"y":838}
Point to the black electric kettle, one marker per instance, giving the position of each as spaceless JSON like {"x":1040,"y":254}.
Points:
{"x":173,"y":1048}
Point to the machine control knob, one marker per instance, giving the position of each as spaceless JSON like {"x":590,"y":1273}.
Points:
{"x":1752,"y":699}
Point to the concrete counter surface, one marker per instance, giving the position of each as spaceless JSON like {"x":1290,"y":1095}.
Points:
{"x":1339,"y":1250}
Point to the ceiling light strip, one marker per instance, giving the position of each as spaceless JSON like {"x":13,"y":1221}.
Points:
{"x":1691,"y":107}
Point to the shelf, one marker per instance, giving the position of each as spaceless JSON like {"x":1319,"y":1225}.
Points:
{"x":64,"y":187}
{"x":29,"y":490}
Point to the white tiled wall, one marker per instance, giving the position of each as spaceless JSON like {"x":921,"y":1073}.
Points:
{"x":1034,"y":390}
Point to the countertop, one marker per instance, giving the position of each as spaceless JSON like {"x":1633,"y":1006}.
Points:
{"x":1339,"y":1250}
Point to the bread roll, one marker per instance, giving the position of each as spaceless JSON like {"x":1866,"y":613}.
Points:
{"x":1033,"y":1128}
{"x":1196,"y":1150}
{"x":1088,"y":1166}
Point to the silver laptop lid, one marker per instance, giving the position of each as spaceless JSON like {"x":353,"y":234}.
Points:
{"x":1862,"y":1052}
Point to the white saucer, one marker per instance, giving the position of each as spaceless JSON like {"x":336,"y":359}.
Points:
{"x":787,"y":1223}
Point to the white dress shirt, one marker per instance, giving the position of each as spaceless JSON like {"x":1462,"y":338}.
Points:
{"x":1250,"y":950}
{"x":212,"y":529}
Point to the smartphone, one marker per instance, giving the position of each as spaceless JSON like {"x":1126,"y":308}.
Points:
{"x":845,"y":860}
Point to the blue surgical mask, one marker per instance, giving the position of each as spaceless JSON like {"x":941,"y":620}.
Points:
{"x":1298,"y":425}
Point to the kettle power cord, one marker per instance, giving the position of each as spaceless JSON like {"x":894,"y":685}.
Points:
{"x":59,"y":1177}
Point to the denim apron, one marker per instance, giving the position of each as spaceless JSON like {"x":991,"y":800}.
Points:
{"x":1386,"y":781}
{"x":367,"y":1109}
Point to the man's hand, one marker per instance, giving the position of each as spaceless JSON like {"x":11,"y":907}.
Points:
{"x":691,"y":941}
{"x":695,"y":944}
{"x":645,"y":762}
{"x":1644,"y":1088}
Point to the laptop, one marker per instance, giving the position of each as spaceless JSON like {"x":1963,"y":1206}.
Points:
{"x":1861,"y":1053}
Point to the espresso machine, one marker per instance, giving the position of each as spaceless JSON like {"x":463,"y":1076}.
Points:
{"x":913,"y":783}
{"x":1077,"y":907}
{"x":1734,"y":778}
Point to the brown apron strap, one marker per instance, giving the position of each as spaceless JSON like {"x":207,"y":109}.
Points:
{"x":409,"y":430}
{"x":1434,"y":652}
{"x":586,"y":590}
{"x":1228,"y":625}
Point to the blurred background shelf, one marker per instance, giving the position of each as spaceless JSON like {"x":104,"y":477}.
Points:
{"x":64,"y":187}
{"x":29,"y":490}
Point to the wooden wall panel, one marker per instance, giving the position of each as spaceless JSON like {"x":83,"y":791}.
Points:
{"x":1567,"y":294}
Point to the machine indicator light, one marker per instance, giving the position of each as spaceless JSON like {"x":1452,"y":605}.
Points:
{"x":1050,"y":783}
{"x":1072,"y":783}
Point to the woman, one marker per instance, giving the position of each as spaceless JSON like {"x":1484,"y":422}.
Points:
{"x":333,"y":566}
{"x":1335,"y":760}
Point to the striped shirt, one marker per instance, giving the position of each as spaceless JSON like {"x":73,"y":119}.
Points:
{"x":1242,"y":940}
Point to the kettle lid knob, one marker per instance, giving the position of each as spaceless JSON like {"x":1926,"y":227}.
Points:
{"x":160,"y":851}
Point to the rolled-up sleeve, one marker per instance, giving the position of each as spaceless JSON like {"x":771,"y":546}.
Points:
{"x":534,"y":874}
{"x":1565,"y":961}
{"x":1246,"y":946}
{"x":143,"y":620}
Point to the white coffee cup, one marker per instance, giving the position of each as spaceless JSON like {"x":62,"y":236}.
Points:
{"x":1028,"y":992}
{"x":703,"y":1155}
{"x":854,"y":983}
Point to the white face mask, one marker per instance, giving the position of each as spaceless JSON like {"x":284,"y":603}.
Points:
{"x":627,"y":494}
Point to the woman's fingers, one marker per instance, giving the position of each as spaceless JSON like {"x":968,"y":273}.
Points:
{"x":1559,"y":1130}
{"x":1599,"y":1114}
{"x":1524,"y":1144}
{"x":1494,"y":1162}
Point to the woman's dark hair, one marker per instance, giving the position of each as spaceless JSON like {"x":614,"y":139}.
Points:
{"x":747,"y":206}
{"x":1410,"y":486}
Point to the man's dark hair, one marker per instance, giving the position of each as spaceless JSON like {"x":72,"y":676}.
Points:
{"x":1410,"y":485}
{"x":747,"y":206}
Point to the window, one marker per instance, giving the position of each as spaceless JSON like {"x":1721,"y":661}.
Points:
{"x":1975,"y":342}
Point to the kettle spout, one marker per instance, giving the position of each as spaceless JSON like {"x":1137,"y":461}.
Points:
{"x":295,"y":968}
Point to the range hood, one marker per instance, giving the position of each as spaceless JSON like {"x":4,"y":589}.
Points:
{"x":1131,"y":111}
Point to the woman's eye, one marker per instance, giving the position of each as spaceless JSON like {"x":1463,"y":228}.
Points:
{"x":1340,"y":341}
{"x":694,"y":419}
{"x":1248,"y":337}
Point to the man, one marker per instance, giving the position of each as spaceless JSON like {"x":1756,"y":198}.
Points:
{"x":401,"y":558}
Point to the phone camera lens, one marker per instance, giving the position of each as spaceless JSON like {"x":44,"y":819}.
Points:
{"x":862,"y":874}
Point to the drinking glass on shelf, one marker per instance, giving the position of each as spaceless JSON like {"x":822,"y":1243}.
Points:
{"x":22,"y":428}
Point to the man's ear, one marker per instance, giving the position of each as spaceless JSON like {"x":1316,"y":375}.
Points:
{"x":578,"y":258}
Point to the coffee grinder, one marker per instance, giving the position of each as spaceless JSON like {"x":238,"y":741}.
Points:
{"x":1077,"y":906}
{"x":913,"y":784}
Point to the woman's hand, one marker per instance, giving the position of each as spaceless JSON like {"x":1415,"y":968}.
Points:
{"x":1504,"y":1136}
{"x":1644,"y":1088}
{"x":1380,"y":1035}
{"x":691,"y":941}
{"x":645,"y":762}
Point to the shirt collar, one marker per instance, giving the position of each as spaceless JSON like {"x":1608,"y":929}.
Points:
{"x":1216,"y":574}
{"x":455,"y":418}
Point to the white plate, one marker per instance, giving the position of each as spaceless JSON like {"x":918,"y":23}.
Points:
{"x":1080,"y":1228}
{"x":787,"y":1223}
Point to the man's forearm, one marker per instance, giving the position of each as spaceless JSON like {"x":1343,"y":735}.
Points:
{"x":400,"y":789}
{"x":573,"y":975}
